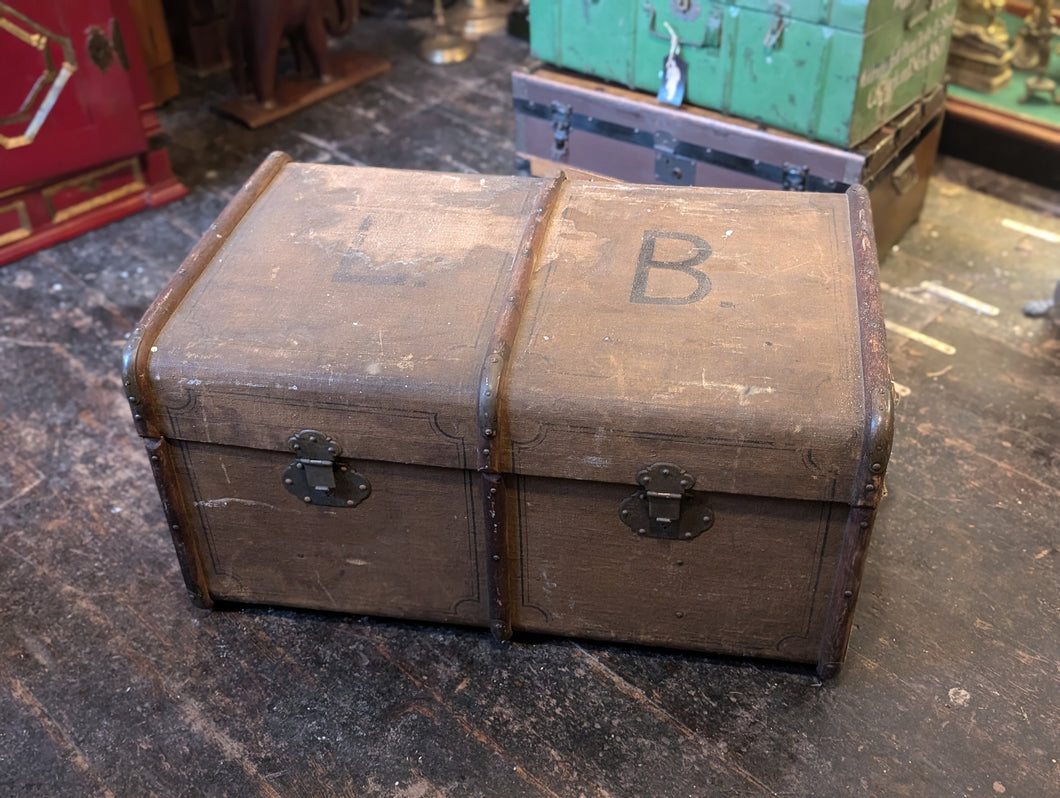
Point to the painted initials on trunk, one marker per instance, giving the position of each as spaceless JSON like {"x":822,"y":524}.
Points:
{"x":646,"y":262}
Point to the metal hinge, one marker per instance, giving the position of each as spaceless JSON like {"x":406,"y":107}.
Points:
{"x":317,"y":478}
{"x":667,"y":507}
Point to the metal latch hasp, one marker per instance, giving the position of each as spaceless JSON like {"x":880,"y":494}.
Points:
{"x":672,"y":169}
{"x":317,"y":478}
{"x":667,"y":507}
{"x":562,"y":115}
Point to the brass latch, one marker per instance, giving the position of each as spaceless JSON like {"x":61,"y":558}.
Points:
{"x":667,"y":507}
{"x":317,"y":478}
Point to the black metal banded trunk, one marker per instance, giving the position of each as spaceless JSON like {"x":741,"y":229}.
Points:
{"x":572,"y":122}
{"x":648,"y":414}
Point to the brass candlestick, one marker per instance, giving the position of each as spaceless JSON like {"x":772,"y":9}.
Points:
{"x":480,"y":17}
{"x":443,"y":46}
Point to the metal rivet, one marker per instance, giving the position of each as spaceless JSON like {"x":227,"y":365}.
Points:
{"x":666,"y":472}
{"x":864,"y":525}
{"x":679,"y":614}
{"x":299,"y":465}
{"x":486,"y":452}
{"x":312,"y":438}
{"x":493,"y":491}
{"x":684,"y":483}
{"x":295,"y":446}
{"x":496,"y":558}
{"x":642,"y":531}
{"x":876,"y":467}
{"x":343,"y":468}
{"x":362,"y":487}
{"x":848,"y":593}
{"x":288,"y":481}
{"x":350,"y":502}
{"x":687,"y":535}
{"x":679,"y":562}
{"x":138,"y":417}
{"x":707,"y":519}
{"x":308,"y":499}
{"x":132,"y":399}
{"x":175,"y":527}
{"x":154,"y":458}
{"x":625,"y":513}
{"x":870,"y":488}
{"x":488,"y":432}
{"x":332,"y":450}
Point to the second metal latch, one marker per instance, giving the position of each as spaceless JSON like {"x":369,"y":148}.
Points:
{"x":666,"y":508}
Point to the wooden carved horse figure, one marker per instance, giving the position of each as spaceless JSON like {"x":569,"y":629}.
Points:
{"x":256,"y":31}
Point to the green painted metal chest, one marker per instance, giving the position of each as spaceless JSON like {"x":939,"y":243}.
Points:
{"x":831,"y":70}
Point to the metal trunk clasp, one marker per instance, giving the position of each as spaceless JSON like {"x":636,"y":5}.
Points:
{"x":316,"y":478}
{"x":775,"y":34}
{"x":561,"y":118}
{"x":666,"y":507}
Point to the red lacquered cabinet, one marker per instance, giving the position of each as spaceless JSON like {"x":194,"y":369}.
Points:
{"x":76,"y":113}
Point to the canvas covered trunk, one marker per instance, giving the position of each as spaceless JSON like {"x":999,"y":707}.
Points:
{"x":833,"y":72}
{"x":648,"y":414}
{"x":583,"y":124}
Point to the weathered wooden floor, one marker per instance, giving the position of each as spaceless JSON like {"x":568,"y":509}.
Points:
{"x":111,"y":683}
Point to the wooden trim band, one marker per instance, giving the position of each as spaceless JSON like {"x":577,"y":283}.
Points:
{"x":875,"y":369}
{"x":138,"y":349}
{"x":491,"y":388}
{"x":876,"y":442}
{"x":185,"y":542}
{"x":137,"y":385}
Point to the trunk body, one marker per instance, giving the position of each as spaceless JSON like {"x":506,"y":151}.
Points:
{"x":646,"y":414}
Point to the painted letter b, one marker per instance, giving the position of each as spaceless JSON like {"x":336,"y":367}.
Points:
{"x":646,"y":262}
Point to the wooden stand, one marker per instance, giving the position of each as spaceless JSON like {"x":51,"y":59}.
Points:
{"x":294,"y":94}
{"x":1016,"y":145}
{"x":46,"y":213}
{"x":1007,"y":130}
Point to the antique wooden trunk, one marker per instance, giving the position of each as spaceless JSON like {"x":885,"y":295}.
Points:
{"x":611,"y":131}
{"x":648,"y":414}
{"x":834,"y":72}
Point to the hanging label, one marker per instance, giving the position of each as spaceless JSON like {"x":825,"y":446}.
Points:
{"x":674,"y":80}
{"x":674,"y":73}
